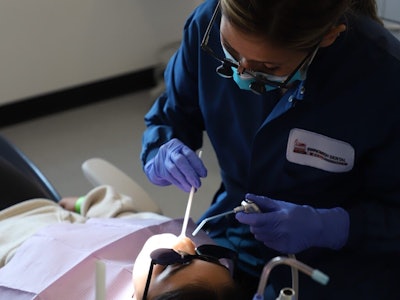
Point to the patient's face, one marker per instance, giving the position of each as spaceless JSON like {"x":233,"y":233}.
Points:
{"x":172,"y":277}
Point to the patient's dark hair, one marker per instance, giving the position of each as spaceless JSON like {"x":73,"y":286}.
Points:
{"x":197,"y":292}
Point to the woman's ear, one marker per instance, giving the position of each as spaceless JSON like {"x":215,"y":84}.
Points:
{"x":332,"y":35}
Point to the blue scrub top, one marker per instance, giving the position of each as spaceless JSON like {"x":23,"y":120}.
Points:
{"x":336,"y":144}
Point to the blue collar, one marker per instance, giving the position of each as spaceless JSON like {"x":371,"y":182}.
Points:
{"x":287,"y":101}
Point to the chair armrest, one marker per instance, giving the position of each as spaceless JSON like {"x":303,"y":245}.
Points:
{"x":100,"y":172}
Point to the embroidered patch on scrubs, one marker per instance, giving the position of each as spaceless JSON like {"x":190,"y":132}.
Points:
{"x":319,"y":151}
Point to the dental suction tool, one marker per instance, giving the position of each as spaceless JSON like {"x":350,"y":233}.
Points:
{"x":188,"y":208}
{"x":315,"y":274}
{"x":246,"y":206}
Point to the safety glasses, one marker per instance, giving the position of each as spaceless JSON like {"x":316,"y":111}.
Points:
{"x":258,"y":85}
{"x":165,"y":257}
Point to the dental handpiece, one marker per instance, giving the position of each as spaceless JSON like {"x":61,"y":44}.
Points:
{"x":246,"y":206}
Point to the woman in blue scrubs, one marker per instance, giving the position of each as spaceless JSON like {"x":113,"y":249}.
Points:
{"x":300,"y":100}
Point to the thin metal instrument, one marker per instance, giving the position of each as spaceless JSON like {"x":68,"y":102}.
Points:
{"x":246,"y":206}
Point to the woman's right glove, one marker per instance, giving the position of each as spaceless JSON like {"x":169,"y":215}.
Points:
{"x":177,"y":164}
{"x":290,"y":228}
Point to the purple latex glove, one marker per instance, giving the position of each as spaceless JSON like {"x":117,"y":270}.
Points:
{"x":290,"y":228}
{"x":177,"y":164}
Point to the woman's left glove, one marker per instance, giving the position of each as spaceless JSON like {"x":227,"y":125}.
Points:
{"x":291,"y":228}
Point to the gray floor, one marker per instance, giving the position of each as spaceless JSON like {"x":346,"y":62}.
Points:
{"x":58,"y":144}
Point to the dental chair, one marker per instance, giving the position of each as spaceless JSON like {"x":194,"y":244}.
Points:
{"x":22,"y":180}
{"x":99,"y":171}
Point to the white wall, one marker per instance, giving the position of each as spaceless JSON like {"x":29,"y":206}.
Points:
{"x":389,"y":9}
{"x":48,"y":45}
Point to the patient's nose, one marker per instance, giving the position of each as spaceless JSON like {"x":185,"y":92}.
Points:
{"x":184,"y":244}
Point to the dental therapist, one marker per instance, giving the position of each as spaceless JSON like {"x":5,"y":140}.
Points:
{"x":301,"y":102}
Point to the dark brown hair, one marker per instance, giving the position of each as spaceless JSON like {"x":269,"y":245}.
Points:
{"x":202,"y":292}
{"x":295,"y":24}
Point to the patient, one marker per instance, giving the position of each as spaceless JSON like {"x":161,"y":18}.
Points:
{"x":178,"y":272}
{"x":55,"y":249}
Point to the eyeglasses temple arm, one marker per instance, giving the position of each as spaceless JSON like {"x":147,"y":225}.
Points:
{"x":206,"y":36}
{"x":146,"y":289}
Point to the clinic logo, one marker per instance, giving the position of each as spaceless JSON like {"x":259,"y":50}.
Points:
{"x":301,"y":148}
